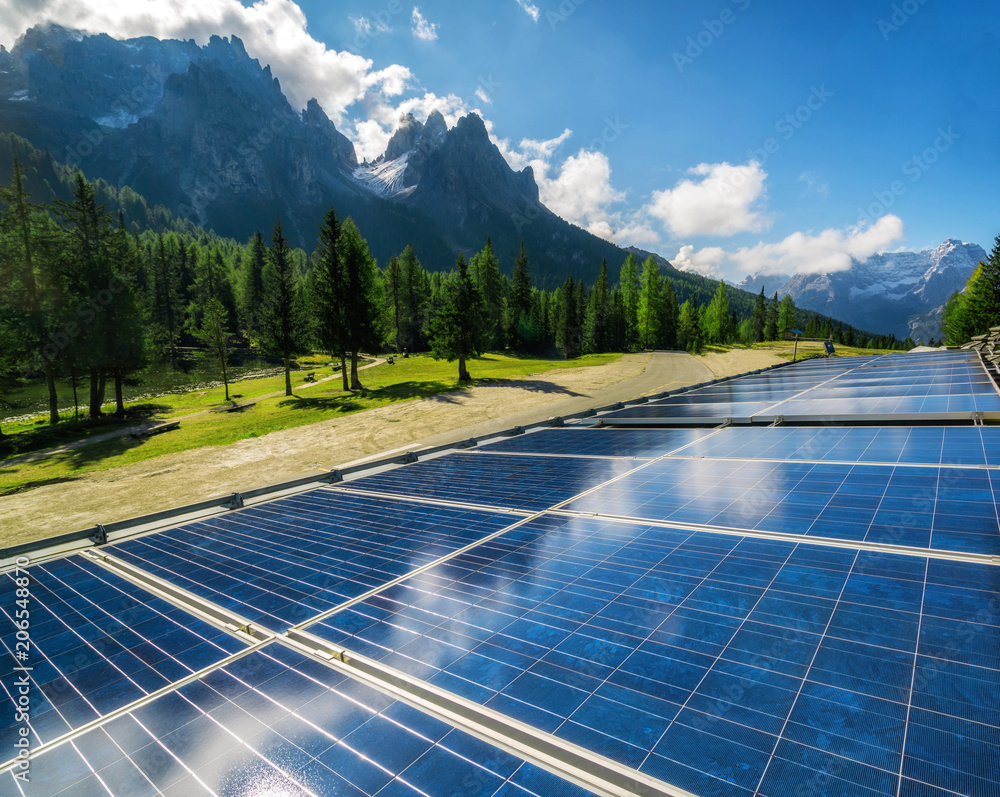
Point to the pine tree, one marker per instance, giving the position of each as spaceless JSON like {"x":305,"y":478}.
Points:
{"x":771,"y":327}
{"x":251,"y":293}
{"x":717,"y":317}
{"x":567,"y":334}
{"x":786,"y":314}
{"x":417,"y":296}
{"x":688,"y":331}
{"x":649,"y":311}
{"x":458,"y":330}
{"x":485,"y":268}
{"x":595,"y":334}
{"x":214,"y":334}
{"x":328,"y":293}
{"x":363,"y":308}
{"x":282,"y":321}
{"x":981,"y":306}
{"x":17,"y":220}
{"x":394,"y":294}
{"x":628,"y":283}
{"x":670,"y":312}
{"x":759,"y":316}
{"x":522,"y":330}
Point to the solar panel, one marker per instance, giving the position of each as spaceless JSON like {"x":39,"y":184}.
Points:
{"x":703,"y":660}
{"x":920,"y":445}
{"x":938,"y":508}
{"x":518,"y":482}
{"x":288,"y":560}
{"x":277,"y":723}
{"x":649,"y":443}
{"x":947,"y":386}
{"x":96,"y":643}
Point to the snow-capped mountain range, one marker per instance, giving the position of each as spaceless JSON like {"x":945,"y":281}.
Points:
{"x":899,"y":292}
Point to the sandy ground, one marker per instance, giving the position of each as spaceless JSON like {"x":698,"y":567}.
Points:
{"x":176,"y":479}
{"x":739,"y":361}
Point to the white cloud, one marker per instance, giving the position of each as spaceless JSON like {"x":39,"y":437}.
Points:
{"x":362,"y":25}
{"x":582,"y":192}
{"x":422,"y":29}
{"x":725,"y":201}
{"x":274,"y":31}
{"x":483,"y":97}
{"x":825,"y":252}
{"x":530,"y":9}
{"x":707,"y":261}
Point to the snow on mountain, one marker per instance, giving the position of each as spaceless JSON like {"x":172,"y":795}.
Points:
{"x":898,"y":293}
{"x":384,"y":178}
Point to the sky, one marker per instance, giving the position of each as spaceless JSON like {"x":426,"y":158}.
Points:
{"x":730,"y":136}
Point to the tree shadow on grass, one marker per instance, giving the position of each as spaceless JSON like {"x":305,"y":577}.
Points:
{"x":31,"y":485}
{"x":531,"y":385}
{"x":400,"y":391}
{"x":325,"y":404}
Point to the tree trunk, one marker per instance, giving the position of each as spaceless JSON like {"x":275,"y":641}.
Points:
{"x":355,"y":382}
{"x":225,"y":378}
{"x":119,"y":400}
{"x":76,"y":397}
{"x":50,"y":380}
{"x":343,"y":372}
{"x":102,"y":384}
{"x":463,"y":372}
{"x":288,"y":376}
{"x":95,"y":399}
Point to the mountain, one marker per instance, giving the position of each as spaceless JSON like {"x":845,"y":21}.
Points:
{"x":208,"y":133}
{"x":900,"y":293}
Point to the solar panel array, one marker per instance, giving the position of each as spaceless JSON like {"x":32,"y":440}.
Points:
{"x":918,"y":387}
{"x":719,"y":611}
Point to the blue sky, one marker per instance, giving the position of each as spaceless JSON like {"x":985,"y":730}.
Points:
{"x":728,"y":135}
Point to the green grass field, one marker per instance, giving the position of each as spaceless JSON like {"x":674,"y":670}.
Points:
{"x":415,"y":377}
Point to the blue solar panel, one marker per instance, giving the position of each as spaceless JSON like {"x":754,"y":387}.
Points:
{"x":919,"y":445}
{"x":518,"y":482}
{"x":717,"y":664}
{"x":276,"y":723}
{"x":650,"y":443}
{"x":281,"y":563}
{"x":943,"y":509}
{"x":97,"y":643}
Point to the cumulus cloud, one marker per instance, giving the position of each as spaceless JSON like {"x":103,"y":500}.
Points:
{"x":707,"y":262}
{"x":274,"y":31}
{"x":578,"y":188}
{"x":530,"y":9}
{"x":422,"y":29}
{"x":722,"y":200}
{"x":825,"y":252}
{"x":582,"y":191}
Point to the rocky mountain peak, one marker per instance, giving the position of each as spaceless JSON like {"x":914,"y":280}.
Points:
{"x":405,"y":138}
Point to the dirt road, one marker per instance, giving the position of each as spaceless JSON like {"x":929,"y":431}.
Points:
{"x":189,"y":476}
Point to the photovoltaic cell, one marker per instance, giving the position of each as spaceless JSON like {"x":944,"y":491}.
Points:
{"x":283,"y":562}
{"x":720,"y":665}
{"x":277,"y":723}
{"x":649,"y":443}
{"x":919,"y":445}
{"x":97,"y":643}
{"x":938,"y":508}
{"x":518,"y":482}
